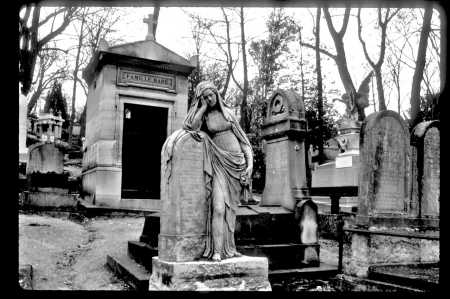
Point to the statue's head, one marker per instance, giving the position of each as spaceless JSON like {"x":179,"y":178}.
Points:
{"x":209,"y":92}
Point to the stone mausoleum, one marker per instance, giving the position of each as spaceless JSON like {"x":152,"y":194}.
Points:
{"x":138,"y":95}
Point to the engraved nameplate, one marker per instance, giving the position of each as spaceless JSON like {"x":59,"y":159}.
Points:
{"x":152,"y":80}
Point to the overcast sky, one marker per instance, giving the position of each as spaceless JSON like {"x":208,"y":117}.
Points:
{"x":174,"y":32}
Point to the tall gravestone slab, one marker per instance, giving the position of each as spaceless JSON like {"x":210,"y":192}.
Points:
{"x":183,"y":205}
{"x":384,"y":183}
{"x":182,"y":237}
{"x":425,"y":140}
{"x":387,"y":229}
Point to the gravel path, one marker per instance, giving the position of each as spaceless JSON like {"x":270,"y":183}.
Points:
{"x":68,"y":255}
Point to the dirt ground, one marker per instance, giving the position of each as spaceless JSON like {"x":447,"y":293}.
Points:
{"x":70,"y":253}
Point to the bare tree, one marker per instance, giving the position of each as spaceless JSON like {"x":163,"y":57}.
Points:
{"x":355,"y":102}
{"x":376,"y":66}
{"x":420,"y":64}
{"x":45,"y":77}
{"x":76,"y":69}
{"x":29,"y":43}
{"x":95,"y":26}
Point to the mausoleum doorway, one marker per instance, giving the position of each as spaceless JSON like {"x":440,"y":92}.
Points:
{"x":144,"y":132}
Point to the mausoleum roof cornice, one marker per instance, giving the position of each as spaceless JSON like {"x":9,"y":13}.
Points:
{"x":102,"y":58}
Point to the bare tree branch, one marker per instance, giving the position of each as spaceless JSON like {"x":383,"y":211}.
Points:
{"x":323,"y":51}
{"x":53,"y":14}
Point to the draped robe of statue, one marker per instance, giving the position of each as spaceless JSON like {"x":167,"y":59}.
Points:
{"x":222,"y":169}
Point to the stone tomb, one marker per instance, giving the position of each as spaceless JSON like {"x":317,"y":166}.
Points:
{"x":425,"y":139}
{"x":137,"y":97}
{"x":386,"y":229}
{"x":182,"y":238}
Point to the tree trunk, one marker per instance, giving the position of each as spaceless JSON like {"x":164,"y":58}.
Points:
{"x":341,"y":60}
{"x":245,"y":122}
{"x":319,"y":86}
{"x":420,"y":65}
{"x":229,"y":57}
{"x":75,"y":79}
{"x":30,"y":52}
{"x":373,"y":97}
{"x":380,"y":90}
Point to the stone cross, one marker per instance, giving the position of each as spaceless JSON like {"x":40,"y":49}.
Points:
{"x":150,"y":24}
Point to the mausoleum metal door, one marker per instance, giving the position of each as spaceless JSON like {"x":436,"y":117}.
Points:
{"x":144,"y":133}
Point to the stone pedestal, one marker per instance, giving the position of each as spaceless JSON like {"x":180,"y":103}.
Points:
{"x":286,"y":157}
{"x":235,"y":274}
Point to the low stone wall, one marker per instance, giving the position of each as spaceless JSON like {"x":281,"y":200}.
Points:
{"x":366,"y":249}
{"x":49,"y":198}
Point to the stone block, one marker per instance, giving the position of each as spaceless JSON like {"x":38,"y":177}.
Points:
{"x":242,"y":273}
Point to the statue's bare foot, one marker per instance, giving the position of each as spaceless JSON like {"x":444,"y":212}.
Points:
{"x":237,"y":254}
{"x":216,"y":257}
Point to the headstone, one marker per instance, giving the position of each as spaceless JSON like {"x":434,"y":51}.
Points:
{"x":431,"y":173}
{"x":183,"y":205}
{"x":387,"y":228}
{"x":284,"y":130}
{"x":183,"y":220}
{"x":425,"y":140}
{"x":384,"y":183}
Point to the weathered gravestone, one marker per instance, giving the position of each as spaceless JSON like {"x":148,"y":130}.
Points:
{"x":183,"y":219}
{"x":425,"y":139}
{"x":183,"y":193}
{"x":384,"y":181}
{"x":385,"y":230}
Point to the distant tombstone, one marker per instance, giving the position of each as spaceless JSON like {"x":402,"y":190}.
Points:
{"x":45,"y":158}
{"x":425,"y":140}
{"x":384,"y":182}
{"x":183,"y":205}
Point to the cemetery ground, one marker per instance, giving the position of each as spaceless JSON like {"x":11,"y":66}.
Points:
{"x":68,"y":251}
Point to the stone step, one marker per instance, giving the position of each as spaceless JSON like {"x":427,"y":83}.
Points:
{"x":138,"y":277}
{"x":142,"y":253}
{"x":134,"y":274}
{"x":280,"y":256}
{"x":372,"y":285}
{"x":90,"y":210}
{"x":322,"y":270}
{"x":423,"y":276}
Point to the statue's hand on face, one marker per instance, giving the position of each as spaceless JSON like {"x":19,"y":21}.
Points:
{"x":210,"y":97}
